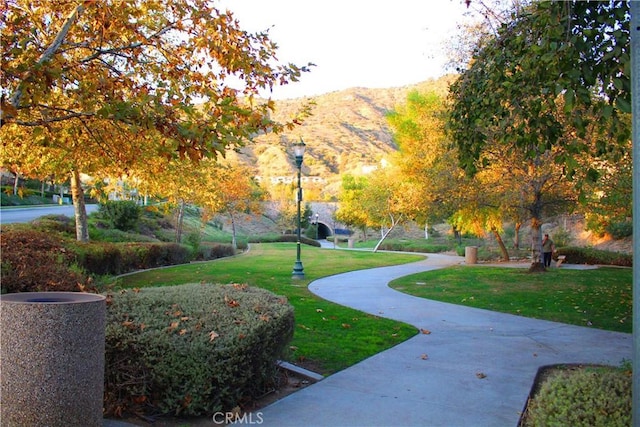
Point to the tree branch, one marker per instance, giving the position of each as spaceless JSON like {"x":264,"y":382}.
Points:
{"x":46,"y":55}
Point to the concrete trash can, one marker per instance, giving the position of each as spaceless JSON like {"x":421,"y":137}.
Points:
{"x":471,"y":255}
{"x":52,"y":359}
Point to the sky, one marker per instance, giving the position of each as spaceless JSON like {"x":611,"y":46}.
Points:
{"x":354,"y":43}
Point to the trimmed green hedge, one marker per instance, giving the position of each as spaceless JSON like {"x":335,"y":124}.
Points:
{"x":575,"y":255}
{"x":192,"y":349}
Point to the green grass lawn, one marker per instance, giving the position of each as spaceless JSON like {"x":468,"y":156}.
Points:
{"x":598,"y":298}
{"x":328,"y":337}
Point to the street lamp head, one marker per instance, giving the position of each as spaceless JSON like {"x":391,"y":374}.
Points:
{"x":298,"y":150}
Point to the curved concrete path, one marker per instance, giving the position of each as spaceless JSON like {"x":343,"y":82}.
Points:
{"x":475,"y":368}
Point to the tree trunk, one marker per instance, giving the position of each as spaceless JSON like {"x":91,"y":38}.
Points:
{"x":384,"y":236}
{"x":79,"y":209}
{"x":179,"y":221}
{"x":457,"y":235}
{"x":42,"y":189}
{"x":386,"y":233}
{"x":234,"y":241}
{"x":503,"y":248}
{"x":536,"y":246}
{"x":426,"y":231}
{"x":15,"y":184}
{"x":516,"y":237}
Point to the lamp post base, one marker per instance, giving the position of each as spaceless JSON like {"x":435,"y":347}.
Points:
{"x":298,"y":271}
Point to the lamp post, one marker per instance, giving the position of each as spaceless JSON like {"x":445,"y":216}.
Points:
{"x":317,"y":226}
{"x":298,"y":150}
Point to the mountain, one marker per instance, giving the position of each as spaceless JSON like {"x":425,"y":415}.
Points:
{"x":346,"y":133}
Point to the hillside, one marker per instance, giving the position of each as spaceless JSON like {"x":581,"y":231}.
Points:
{"x":346,"y":133}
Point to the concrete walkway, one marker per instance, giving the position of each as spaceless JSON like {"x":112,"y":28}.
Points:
{"x":475,"y":368}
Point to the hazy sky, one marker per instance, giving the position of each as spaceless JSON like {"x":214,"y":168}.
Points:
{"x":353,"y":43}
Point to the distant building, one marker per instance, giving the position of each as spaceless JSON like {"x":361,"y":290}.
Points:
{"x":277,"y":180}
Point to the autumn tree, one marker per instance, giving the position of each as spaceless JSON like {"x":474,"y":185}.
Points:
{"x":233,"y":191}
{"x":350,"y":210}
{"x":552,"y":85}
{"x":426,"y":161}
{"x":377,"y":200}
{"x":87,"y":83}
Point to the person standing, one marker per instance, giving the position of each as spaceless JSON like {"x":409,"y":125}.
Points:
{"x":548,"y":248}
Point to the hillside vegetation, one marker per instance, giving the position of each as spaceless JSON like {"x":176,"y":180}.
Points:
{"x":346,"y":133}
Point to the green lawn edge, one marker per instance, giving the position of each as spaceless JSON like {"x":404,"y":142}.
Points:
{"x":597,"y":298}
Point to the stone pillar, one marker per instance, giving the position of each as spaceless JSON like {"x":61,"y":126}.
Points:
{"x":52,"y":359}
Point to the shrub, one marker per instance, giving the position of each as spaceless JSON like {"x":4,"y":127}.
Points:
{"x":194,"y":239}
{"x":102,"y":258}
{"x":56,"y":223}
{"x":594,"y":396}
{"x":561,"y":238}
{"x":122,"y":214}
{"x":620,"y":230}
{"x":192,"y":349}
{"x":160,"y":254}
{"x":208,"y":251}
{"x":303,"y":239}
{"x":110,"y":258}
{"x":575,"y":255}
{"x":33,"y":261}
{"x":413,"y":246}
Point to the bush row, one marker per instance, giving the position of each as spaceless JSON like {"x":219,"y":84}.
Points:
{"x":192,"y":349}
{"x":33,"y":261}
{"x":575,"y":255}
{"x":117,"y":258}
{"x":38,"y":261}
{"x":413,"y":246}
{"x":284,"y":238}
{"x":208,"y":251}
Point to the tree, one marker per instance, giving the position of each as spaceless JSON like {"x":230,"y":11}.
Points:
{"x":560,"y":57}
{"x":425,"y":159}
{"x":552,"y":85}
{"x":89,"y":81}
{"x":378,"y":200}
{"x":235,"y":192}
{"x":609,"y":204}
{"x":350,"y":211}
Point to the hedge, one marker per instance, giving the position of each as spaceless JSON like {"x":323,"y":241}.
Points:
{"x":291,"y":238}
{"x":575,"y":255}
{"x":33,"y":261}
{"x":192,"y":349}
{"x":46,"y":261}
{"x":118,"y":258}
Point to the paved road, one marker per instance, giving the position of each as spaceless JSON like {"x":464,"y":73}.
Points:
{"x":9,"y":215}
